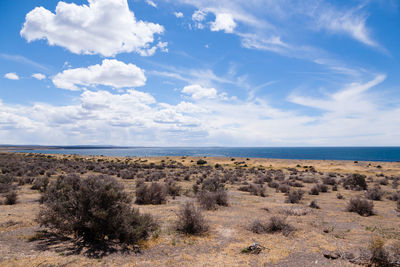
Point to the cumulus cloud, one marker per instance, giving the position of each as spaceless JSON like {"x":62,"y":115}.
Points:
{"x":111,"y":72}
{"x":198,"y":92}
{"x":11,"y":76}
{"x":39,"y":76}
{"x":105,"y":27}
{"x":198,"y":16}
{"x":223,"y":22}
{"x":178,"y":14}
{"x":350,"y":116}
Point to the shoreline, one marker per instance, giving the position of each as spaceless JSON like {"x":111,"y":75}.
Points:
{"x":341,"y":166}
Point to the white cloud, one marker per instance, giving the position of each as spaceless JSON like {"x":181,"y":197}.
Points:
{"x":199,"y":15}
{"x":198,"y":92}
{"x":352,"y":100}
{"x":351,"y":116}
{"x":105,"y":27}
{"x":348,"y":22}
{"x":223,"y":22}
{"x":111,"y":72}
{"x":11,"y":76}
{"x":151,"y":3}
{"x":178,"y":14}
{"x":39,"y":76}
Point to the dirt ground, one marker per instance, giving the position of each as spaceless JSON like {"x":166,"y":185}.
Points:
{"x":330,"y":228}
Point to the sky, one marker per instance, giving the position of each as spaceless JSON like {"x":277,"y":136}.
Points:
{"x":200,"y":72}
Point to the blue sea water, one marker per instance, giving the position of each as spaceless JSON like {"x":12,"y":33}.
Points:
{"x":312,"y":153}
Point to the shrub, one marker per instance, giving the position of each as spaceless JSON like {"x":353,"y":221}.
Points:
{"x":151,"y":194}
{"x":323,"y":188}
{"x":257,"y":190}
{"x":378,"y":254}
{"x":210,"y":200}
{"x":95,"y":209}
{"x":284,"y":188}
{"x":274,"y":224}
{"x":294,"y":196}
{"x":11,"y":198}
{"x":258,"y":227}
{"x":339,"y":196}
{"x":212,"y":184}
{"x":374,"y":193}
{"x":314,"y":190}
{"x":190,"y":220}
{"x":40,"y":183}
{"x":314,"y":205}
{"x":201,"y":162}
{"x":6,"y":183}
{"x":355,"y":182}
{"x":329,"y":180}
{"x":173,"y":189}
{"x":361,"y":206}
{"x":384,"y":181}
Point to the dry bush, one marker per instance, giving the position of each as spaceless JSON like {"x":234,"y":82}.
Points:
{"x":378,"y":254}
{"x":355,"y":182}
{"x":173,"y":189}
{"x":361,"y":206}
{"x":314,"y":190}
{"x":154,"y":193}
{"x":6,"y":183}
{"x":190,"y":220}
{"x":273,"y":225}
{"x":95,"y":209}
{"x":314,"y":205}
{"x":294,"y":196}
{"x":374,"y":193}
{"x":212,"y":184}
{"x":40,"y":183}
{"x":210,"y":200}
{"x":394,"y":196}
{"x":258,"y":227}
{"x":330,"y":180}
{"x":295,"y":211}
{"x":284,"y":188}
{"x":254,"y":189}
{"x":11,"y":198}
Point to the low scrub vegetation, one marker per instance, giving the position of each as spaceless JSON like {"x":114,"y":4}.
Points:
{"x":361,"y":206}
{"x":273,"y":225}
{"x":210,"y":200}
{"x":294,"y":196}
{"x":95,"y":209}
{"x":190,"y":220}
{"x":374,"y":193}
{"x":355,"y":181}
{"x":154,"y":193}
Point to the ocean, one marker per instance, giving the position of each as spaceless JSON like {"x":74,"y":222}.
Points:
{"x":311,"y":153}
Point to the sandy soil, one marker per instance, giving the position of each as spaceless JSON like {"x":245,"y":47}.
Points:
{"x":330,"y":228}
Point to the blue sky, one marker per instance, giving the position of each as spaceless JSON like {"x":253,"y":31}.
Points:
{"x":200,"y":72}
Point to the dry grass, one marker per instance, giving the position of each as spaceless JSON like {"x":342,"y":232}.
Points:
{"x":228,"y":225}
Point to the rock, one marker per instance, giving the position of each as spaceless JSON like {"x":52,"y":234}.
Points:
{"x":255,"y":248}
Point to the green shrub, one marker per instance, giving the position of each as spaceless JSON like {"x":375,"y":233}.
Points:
{"x":355,"y":182}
